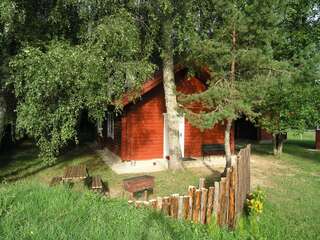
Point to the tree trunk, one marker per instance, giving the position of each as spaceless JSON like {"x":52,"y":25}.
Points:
{"x":170,"y":98}
{"x":227,"y":145}
{"x":278,"y":143}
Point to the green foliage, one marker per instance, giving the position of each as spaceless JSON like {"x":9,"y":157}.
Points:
{"x":54,"y":85}
{"x":255,"y":202}
{"x":235,"y":45}
{"x":290,"y":101}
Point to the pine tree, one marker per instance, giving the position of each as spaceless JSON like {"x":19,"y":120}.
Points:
{"x":235,"y":43}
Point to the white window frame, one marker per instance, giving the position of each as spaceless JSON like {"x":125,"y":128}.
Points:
{"x":110,"y":126}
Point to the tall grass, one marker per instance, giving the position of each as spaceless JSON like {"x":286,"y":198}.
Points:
{"x":33,"y":211}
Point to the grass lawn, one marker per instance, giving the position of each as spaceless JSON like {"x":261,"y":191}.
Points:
{"x":24,"y":165}
{"x":292,"y":210}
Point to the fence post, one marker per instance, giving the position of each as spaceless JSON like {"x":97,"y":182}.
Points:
{"x":222,"y":201}
{"x":204,"y":202}
{"x":186,"y":203}
{"x":166,"y":205}
{"x":192,"y":191}
{"x":216,"y":203}
{"x":202,"y":183}
{"x":159,"y":203}
{"x":197,"y":206}
{"x":210,"y":203}
{"x":232,"y":193}
{"x":180,"y":207}
{"x":174,"y":205}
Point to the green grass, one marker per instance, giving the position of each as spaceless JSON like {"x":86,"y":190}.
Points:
{"x":38,"y":212}
{"x":292,"y":209}
{"x":23,"y":164}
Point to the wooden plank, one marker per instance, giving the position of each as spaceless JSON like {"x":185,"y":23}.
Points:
{"x":226,"y":209}
{"x":174,"y":205}
{"x":232,"y":193}
{"x":216,"y":202}
{"x":159,"y":203}
{"x":202,"y":183}
{"x":222,"y":193}
{"x":66,"y":173}
{"x":73,"y":172}
{"x":166,"y":205}
{"x":191,"y":194}
{"x":138,"y":204}
{"x":186,"y":208}
{"x":204,"y":201}
{"x":180,"y":207}
{"x":197,"y":206}
{"x":210,"y":204}
{"x":153,"y":203}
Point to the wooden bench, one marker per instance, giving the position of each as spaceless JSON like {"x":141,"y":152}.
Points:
{"x":210,"y":148}
{"x":75,"y":173}
{"x":138,"y":184}
{"x":96,"y":184}
{"x":55,"y":181}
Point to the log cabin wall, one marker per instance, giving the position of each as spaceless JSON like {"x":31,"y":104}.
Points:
{"x":142,"y":124}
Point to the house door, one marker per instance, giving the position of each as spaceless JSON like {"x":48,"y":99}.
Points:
{"x":166,"y":135}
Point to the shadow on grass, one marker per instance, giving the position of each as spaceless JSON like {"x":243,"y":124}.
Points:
{"x":301,"y":149}
{"x":24,"y":162}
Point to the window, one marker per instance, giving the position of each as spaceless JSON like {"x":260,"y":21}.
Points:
{"x":110,"y":126}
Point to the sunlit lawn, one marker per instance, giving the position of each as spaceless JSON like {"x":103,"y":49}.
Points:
{"x":293,"y":198}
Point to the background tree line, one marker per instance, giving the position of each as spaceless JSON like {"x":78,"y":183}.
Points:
{"x":62,"y":57}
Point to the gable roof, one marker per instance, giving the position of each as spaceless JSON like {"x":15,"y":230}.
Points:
{"x":156,"y":80}
{"x":149,"y":85}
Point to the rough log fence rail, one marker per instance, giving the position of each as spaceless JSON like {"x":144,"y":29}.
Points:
{"x":222,"y":202}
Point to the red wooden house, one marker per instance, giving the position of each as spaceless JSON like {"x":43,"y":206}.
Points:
{"x":140,"y":132}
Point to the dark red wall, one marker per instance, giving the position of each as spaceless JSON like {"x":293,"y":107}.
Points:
{"x":142,"y":125}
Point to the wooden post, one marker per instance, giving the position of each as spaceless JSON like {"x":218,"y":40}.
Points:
{"x":138,"y":204}
{"x":166,"y":205}
{"x":216,"y":203}
{"x":226,"y":210}
{"x":159,"y":203}
{"x":222,"y":201}
{"x":186,"y":203}
{"x":232,"y":193}
{"x":174,"y":205}
{"x":197,"y":206}
{"x":204,"y":201}
{"x":202,"y":183}
{"x":153,"y":203}
{"x":210,"y":204}
{"x":180,"y":207}
{"x":191,"y":194}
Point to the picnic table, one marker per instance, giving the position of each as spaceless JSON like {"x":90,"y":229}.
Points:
{"x":75,"y":173}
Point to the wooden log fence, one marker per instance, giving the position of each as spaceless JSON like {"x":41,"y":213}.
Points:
{"x":222,"y":202}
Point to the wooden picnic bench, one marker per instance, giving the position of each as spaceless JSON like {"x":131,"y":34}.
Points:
{"x":138,"y":184}
{"x":96,"y":184}
{"x":75,"y":173}
{"x":55,"y":181}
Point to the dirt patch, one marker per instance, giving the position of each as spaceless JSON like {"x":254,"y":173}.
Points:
{"x":263,"y":168}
